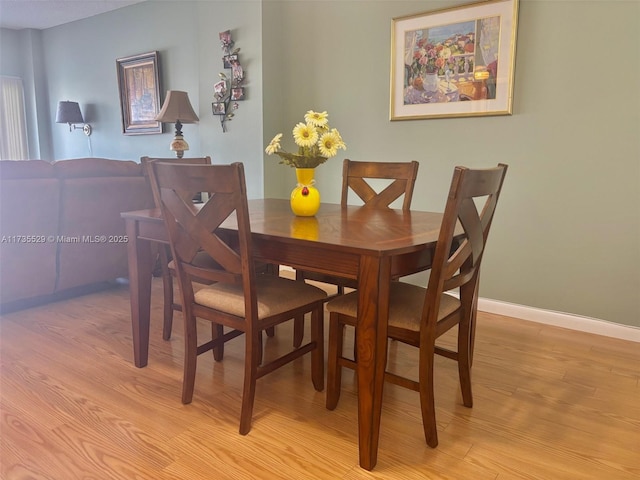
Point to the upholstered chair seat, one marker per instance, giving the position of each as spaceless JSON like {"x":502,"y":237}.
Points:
{"x":405,"y":309}
{"x":275,"y":295}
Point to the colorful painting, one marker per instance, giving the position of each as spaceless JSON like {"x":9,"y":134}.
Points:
{"x":456,"y":62}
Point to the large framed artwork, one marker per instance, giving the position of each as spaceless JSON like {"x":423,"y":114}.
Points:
{"x":457,"y":62}
{"x":139,"y":85}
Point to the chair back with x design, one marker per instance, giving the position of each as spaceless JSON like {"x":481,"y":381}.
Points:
{"x":357,"y":176}
{"x":194,"y":228}
{"x":164,"y":254}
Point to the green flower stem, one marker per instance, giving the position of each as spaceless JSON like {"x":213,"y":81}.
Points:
{"x":300,"y":161}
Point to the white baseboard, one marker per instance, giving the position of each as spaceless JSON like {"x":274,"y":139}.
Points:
{"x":559,"y":319}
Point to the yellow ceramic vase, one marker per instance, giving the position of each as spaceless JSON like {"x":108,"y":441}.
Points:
{"x":305,"y":198}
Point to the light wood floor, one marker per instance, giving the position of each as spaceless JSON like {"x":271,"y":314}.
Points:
{"x":549,"y":404}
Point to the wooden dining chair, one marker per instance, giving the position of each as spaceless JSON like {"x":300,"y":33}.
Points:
{"x":164,"y":254}
{"x":357,"y":178}
{"x":417,"y":315}
{"x":237,"y":298}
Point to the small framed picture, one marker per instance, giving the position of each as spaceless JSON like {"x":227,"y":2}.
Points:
{"x":220,"y":89}
{"x":229,"y":60}
{"x":237,"y":93}
{"x":237,"y":74}
{"x":225,"y":40}
{"x":219,"y":108}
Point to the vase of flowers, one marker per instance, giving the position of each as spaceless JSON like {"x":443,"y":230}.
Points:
{"x":430,"y":61}
{"x":316,"y":142}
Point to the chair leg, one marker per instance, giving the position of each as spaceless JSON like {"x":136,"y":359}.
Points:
{"x":427,"y":400}
{"x":298,"y":330}
{"x":167,"y":285}
{"x":272,"y":269}
{"x":464,"y":362}
{"x":317,"y":354}
{"x":298,"y":322}
{"x":469,"y":292}
{"x":334,"y":370}
{"x":190,"y":357}
{"x":217,"y":331}
{"x":355,"y":344}
{"x":472,"y":326}
{"x":251,"y":360}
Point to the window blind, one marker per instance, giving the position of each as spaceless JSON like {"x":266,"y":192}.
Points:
{"x":13,"y":125}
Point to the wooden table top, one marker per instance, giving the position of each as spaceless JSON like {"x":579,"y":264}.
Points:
{"x":360,"y":230}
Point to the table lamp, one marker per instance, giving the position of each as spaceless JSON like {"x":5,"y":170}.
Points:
{"x":178,"y":109}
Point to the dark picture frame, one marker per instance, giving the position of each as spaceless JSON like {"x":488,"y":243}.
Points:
{"x":219,"y":108}
{"x":237,"y":93}
{"x":139,"y":88}
{"x":228,"y":60}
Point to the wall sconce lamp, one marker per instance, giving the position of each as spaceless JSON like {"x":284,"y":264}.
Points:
{"x":177,"y":108}
{"x":69,"y":112}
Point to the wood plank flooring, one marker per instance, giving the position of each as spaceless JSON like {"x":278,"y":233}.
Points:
{"x":549,"y":404}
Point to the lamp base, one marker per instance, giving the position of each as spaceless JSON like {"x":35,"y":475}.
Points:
{"x":179,"y":145}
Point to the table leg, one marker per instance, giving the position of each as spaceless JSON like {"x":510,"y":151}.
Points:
{"x":373,"y":312}
{"x":139,"y":257}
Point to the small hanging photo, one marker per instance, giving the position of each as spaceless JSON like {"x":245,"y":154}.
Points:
{"x":219,"y":108}
{"x":225,"y":40}
{"x":237,"y":73}
{"x":229,"y":60}
{"x":237,"y":93}
{"x":220,"y":89}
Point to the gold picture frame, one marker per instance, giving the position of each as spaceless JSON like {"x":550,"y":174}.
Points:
{"x":457,"y":62}
{"x":139,"y":86}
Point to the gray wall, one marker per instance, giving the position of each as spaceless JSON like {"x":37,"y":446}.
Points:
{"x":567,"y":233}
{"x":566,"y":236}
{"x":80,"y":65}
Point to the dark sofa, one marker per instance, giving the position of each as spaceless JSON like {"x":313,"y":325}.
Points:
{"x":60,"y":225}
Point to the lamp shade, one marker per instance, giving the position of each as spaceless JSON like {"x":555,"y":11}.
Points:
{"x":69,"y":112}
{"x":177,"y":107}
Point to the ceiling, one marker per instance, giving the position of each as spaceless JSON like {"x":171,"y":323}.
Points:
{"x":41,"y":14}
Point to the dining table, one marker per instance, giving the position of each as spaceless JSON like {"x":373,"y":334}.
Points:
{"x":372,"y":245}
